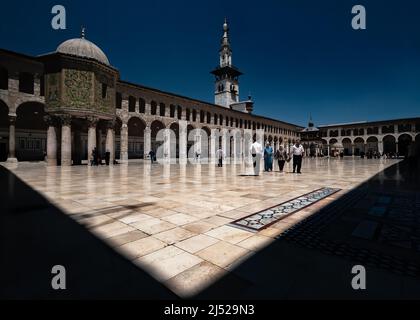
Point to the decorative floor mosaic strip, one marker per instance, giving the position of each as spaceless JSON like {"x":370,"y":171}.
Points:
{"x":263,"y":219}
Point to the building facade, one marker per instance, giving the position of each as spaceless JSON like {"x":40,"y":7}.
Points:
{"x":391,"y":137}
{"x":62,"y":105}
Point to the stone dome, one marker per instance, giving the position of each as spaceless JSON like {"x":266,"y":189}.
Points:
{"x":81,"y":47}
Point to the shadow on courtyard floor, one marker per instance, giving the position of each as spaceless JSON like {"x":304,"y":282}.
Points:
{"x":35,"y":236}
{"x":377,"y":225}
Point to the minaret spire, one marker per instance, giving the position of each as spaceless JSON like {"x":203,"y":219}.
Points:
{"x":83,"y":32}
{"x":225,"y":50}
{"x":227,"y":76}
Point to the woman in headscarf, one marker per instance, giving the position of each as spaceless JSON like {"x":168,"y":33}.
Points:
{"x":281,"y":156}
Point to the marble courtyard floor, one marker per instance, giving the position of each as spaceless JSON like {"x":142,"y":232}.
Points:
{"x":173,"y":221}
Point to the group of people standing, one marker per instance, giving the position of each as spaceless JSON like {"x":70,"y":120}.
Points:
{"x":281,"y":155}
{"x":96,"y":158}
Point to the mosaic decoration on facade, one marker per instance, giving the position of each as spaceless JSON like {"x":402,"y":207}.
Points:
{"x":78,"y":89}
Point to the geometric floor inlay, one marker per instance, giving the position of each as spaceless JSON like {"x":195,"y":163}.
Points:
{"x":263,"y":219}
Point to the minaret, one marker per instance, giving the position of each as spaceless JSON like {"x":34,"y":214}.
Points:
{"x":227,"y":76}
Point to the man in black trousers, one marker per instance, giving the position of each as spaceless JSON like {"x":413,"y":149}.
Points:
{"x":297,"y":152}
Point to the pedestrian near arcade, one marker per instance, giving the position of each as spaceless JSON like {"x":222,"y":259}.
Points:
{"x":297,"y":152}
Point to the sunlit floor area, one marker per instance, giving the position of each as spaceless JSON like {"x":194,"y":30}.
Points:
{"x":175,"y":221}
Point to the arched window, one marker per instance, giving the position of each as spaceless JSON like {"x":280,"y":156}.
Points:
{"x":4,"y":79}
{"x":172,"y":111}
{"x":131,"y":104}
{"x":153,"y":106}
{"x":179,"y":112}
{"x":142,"y":105}
{"x":26,"y":82}
{"x":162,"y":109}
{"x":208,"y":117}
{"x":118,"y":100}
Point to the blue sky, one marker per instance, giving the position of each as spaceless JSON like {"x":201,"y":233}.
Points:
{"x":299,"y":57}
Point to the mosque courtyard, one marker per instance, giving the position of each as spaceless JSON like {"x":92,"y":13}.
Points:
{"x":177,"y":222}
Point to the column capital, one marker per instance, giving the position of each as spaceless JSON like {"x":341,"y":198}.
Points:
{"x":92,"y":121}
{"x":65,"y":119}
{"x":50,"y":120}
{"x":12,"y":120}
{"x":110,"y":124}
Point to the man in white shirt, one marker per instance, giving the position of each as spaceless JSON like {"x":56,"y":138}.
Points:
{"x":256,"y":151}
{"x":297,"y":152}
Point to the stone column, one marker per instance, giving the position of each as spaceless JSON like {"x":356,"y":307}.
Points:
{"x":110,"y":140}
{"x":147,"y":142}
{"x":236,"y":142}
{"x":183,"y":156}
{"x":66,"y":140}
{"x":51,"y":141}
{"x":124,"y":143}
{"x":224,"y":143}
{"x":12,"y":139}
{"x":329,"y":150}
{"x":213,"y":137}
{"x":92,"y":122}
{"x":380,"y":147}
{"x":396,"y":146}
{"x":242,"y":146}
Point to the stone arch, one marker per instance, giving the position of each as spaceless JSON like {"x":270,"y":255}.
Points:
{"x":208,"y":133}
{"x":155,"y":127}
{"x":359,"y":146}
{"x":404,"y":142}
{"x":174,"y":126}
{"x":31,"y":132}
{"x":372,"y":144}
{"x":190,"y":127}
{"x":389,"y":144}
{"x":136,"y":127}
{"x":347,"y":147}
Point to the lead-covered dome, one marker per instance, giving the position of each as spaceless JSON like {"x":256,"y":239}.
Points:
{"x":81,"y":47}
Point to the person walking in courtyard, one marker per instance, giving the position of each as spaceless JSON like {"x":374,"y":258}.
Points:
{"x":107,"y":157}
{"x":297,"y":152}
{"x":94,"y":157}
{"x":281,"y":156}
{"x":152,"y":156}
{"x":256,"y":153}
{"x":220,"y":155}
{"x":268,"y":157}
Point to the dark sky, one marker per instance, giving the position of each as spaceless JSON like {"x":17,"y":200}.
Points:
{"x":298,"y":57}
